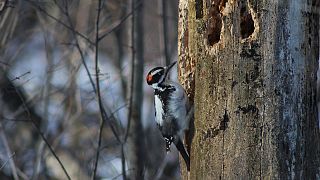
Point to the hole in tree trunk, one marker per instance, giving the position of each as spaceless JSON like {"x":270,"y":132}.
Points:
{"x":246,"y":24}
{"x":214,"y":23}
{"x":199,"y":9}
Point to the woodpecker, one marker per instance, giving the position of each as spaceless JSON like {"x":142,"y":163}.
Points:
{"x":171,"y":109}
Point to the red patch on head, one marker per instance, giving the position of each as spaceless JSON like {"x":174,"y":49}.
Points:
{"x":149,"y":77}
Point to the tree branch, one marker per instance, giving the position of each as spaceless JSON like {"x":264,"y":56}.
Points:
{"x":59,"y":21}
{"x":9,"y":153}
{"x":98,"y":91}
{"x":121,"y":21}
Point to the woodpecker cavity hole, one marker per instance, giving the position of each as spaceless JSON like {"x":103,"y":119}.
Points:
{"x":214,"y":23}
{"x":247,"y":23}
{"x":199,"y":9}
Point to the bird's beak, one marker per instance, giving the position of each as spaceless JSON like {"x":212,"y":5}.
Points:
{"x":171,"y":65}
{"x":167,"y":68}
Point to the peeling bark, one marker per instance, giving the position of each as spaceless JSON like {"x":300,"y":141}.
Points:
{"x":255,"y":87}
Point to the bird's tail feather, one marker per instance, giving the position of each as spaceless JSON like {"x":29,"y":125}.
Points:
{"x":183,"y":153}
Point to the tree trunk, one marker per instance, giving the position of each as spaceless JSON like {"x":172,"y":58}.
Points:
{"x":254,"y":65}
{"x":136,"y":134}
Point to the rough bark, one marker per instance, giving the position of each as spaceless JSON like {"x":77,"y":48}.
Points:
{"x":255,"y":65}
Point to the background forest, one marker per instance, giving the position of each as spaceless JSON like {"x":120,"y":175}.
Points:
{"x":56,"y":121}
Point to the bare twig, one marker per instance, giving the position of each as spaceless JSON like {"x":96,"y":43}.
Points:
{"x":6,"y":162}
{"x":52,"y":151}
{"x":98,"y":90}
{"x":121,"y":21}
{"x":80,"y":51}
{"x":66,"y":13}
{"x":123,"y":162}
{"x":64,"y":10}
{"x":4,"y":63}
{"x":36,"y":126}
{"x":20,"y":76}
{"x":116,"y":177}
{"x":59,"y":21}
{"x":19,"y":172}
{"x":13,"y":119}
{"x":9,"y":154}
{"x":46,"y":96}
{"x":22,"y":174}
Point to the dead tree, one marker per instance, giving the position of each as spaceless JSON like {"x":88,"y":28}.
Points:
{"x":252,"y":67}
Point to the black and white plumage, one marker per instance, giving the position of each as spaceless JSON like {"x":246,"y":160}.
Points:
{"x":171,"y":106}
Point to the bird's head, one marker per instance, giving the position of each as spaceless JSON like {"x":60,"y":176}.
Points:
{"x":158,"y":75}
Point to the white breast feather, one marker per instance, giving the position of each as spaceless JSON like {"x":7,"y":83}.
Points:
{"x":159,"y":110}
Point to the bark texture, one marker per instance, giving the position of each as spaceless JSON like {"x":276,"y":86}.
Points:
{"x":254,"y":65}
